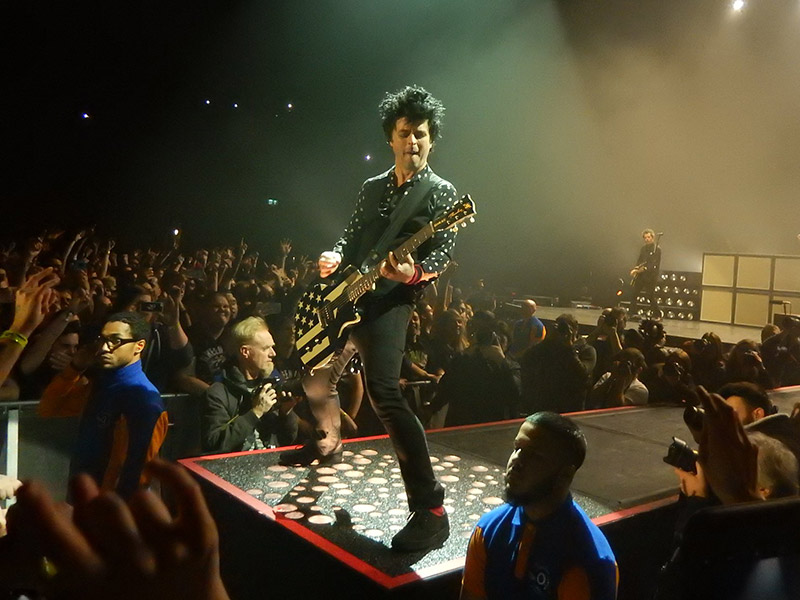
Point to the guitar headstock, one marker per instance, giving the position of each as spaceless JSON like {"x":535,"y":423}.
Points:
{"x":463,"y":211}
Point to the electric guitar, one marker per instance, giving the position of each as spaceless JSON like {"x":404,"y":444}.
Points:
{"x":639,"y":269}
{"x":329,"y":308}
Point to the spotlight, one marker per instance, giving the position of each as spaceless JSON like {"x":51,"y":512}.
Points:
{"x":683,"y":277}
{"x":657,"y":288}
{"x":690,"y":317}
{"x":367,"y":157}
{"x":235,"y":105}
{"x":690,"y":304}
{"x":674,"y":277}
{"x":86,"y":116}
{"x":670,"y":314}
{"x":681,"y":315}
{"x":208,"y":102}
{"x":738,"y":5}
{"x":678,"y":302}
{"x":669,"y":301}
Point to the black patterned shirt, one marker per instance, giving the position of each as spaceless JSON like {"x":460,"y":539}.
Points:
{"x":443,"y":199}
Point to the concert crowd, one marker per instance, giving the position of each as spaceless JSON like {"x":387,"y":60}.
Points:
{"x":470,"y":358}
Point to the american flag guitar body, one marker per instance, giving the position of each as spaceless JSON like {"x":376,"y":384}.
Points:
{"x":328,"y":308}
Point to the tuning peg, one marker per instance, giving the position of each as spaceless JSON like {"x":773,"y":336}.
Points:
{"x":463,"y":225}
{"x":472,"y":219}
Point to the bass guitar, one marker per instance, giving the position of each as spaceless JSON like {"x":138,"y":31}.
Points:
{"x":329,"y":308}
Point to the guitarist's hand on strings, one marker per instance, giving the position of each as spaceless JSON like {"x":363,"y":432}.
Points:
{"x":395,"y":270}
{"x":328,"y":263}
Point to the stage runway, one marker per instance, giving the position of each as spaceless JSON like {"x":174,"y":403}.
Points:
{"x":277,"y":522}
{"x":676,"y":329}
{"x":350,"y":511}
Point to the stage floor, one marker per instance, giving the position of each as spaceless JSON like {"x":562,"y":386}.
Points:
{"x":676,"y":328}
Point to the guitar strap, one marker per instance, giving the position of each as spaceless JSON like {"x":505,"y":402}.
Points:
{"x":408,"y":207}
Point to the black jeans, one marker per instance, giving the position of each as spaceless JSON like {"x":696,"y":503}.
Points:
{"x":380,"y":341}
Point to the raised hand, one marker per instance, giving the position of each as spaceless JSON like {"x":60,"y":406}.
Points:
{"x":728,"y":457}
{"x":33,"y":300}
{"x":110,"y":549}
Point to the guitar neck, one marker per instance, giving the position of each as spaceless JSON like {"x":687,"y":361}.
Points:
{"x":358,"y":288}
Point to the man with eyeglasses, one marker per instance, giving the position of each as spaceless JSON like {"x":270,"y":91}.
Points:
{"x":123,"y":419}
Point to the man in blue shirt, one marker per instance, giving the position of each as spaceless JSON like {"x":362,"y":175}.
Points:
{"x":540,"y":544}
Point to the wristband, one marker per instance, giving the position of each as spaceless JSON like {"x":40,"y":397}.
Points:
{"x":15,"y":337}
{"x":417,"y":276}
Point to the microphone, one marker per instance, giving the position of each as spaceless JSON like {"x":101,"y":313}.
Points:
{"x":660,"y":233}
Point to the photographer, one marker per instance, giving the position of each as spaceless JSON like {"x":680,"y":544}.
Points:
{"x":708,"y":365}
{"x":755,"y":411}
{"x":238,"y":411}
{"x":744,"y":364}
{"x":553,"y":376}
{"x":479,"y":386}
{"x":733,"y":465}
{"x":621,"y":386}
{"x":606,"y":340}
{"x":781,"y":353}
{"x":673,"y":383}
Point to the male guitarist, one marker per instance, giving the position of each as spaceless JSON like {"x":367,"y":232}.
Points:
{"x":394,"y":204}
{"x":645,"y":275}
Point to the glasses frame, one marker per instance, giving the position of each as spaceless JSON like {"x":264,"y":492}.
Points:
{"x":113,"y":345}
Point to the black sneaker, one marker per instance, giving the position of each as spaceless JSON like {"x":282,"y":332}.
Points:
{"x":424,"y":530}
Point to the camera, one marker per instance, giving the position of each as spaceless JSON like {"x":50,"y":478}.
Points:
{"x":680,"y":455}
{"x":622,"y":367}
{"x":151,"y":306}
{"x":268,"y":308}
{"x":673,"y":369}
{"x":701,"y":344}
{"x":694,"y":416}
{"x":751,"y":357}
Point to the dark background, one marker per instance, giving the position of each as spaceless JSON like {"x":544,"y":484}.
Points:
{"x":574,"y":124}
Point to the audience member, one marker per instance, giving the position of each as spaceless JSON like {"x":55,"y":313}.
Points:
{"x":540,"y":544}
{"x":744,"y":363}
{"x":621,"y":385}
{"x":207,"y":340}
{"x":553,"y":377}
{"x":237,"y":412}
{"x":448,"y":338}
{"x":479,"y":385}
{"x":123,"y":420}
{"x":46,"y":357}
{"x":781,"y":354}
{"x":605,"y":339}
{"x":528,"y":331}
{"x":673,"y":383}
{"x":708,"y":361}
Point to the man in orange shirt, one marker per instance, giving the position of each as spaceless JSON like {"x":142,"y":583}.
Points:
{"x":123,"y":420}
